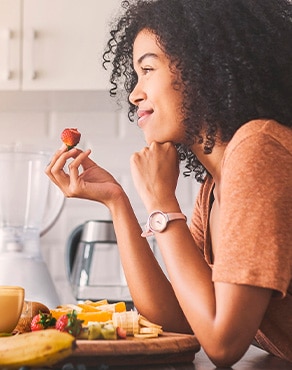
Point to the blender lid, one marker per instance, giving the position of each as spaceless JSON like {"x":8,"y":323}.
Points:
{"x":26,"y":148}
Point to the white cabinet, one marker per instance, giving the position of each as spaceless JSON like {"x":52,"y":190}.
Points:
{"x":54,"y":44}
{"x":10,"y":44}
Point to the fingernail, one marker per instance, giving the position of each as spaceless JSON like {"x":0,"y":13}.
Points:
{"x":63,"y":146}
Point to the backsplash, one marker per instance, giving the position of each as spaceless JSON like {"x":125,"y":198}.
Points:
{"x":40,"y":117}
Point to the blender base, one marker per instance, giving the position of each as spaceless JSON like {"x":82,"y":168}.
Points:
{"x":32,"y":274}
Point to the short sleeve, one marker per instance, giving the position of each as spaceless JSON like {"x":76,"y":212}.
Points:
{"x":256,"y":215}
{"x":199,"y":222}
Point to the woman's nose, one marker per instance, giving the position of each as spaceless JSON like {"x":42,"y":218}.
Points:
{"x":137,"y":94}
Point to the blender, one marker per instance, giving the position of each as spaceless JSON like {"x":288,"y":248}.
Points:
{"x":91,"y":275}
{"x":29,"y":206}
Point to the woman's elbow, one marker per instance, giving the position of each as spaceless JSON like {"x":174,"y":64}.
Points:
{"x":224,"y":356}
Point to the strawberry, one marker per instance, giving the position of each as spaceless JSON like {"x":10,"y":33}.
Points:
{"x":42,"y":321}
{"x":69,"y":323}
{"x":121,"y":333}
{"x":70,"y":137}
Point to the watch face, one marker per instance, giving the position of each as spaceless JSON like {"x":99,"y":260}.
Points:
{"x":157,"y":222}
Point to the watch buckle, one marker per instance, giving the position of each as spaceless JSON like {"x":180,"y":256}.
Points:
{"x":147,"y":233}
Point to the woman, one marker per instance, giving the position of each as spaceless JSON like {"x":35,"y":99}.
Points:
{"x":210,"y":82}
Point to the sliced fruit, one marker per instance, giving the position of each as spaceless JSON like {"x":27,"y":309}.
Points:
{"x":147,"y":330}
{"x":113,"y":307}
{"x":69,"y":323}
{"x":64,"y":309}
{"x":88,"y":308}
{"x":100,"y":316}
{"x":145,"y":336}
{"x":94,"y":331}
{"x":127,"y":320}
{"x":108,"y":331}
{"x":42,"y":321}
{"x":145,"y":322}
{"x":121,"y":333}
{"x":96,"y":303}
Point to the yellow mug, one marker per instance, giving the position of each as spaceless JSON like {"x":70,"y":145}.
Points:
{"x":11,"y":303}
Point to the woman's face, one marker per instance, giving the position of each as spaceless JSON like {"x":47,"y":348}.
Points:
{"x":158,"y":103}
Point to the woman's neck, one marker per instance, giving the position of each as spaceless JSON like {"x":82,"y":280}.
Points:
{"x":212,"y":162}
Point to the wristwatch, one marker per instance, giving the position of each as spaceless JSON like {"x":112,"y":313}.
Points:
{"x":158,"y":221}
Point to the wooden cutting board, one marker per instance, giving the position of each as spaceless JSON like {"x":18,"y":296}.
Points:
{"x":167,"y":348}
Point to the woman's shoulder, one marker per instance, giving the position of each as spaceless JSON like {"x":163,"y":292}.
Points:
{"x":267,"y":127}
{"x":256,"y":134}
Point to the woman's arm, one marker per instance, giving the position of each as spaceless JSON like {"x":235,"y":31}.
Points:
{"x":224,"y":317}
{"x":150,"y":289}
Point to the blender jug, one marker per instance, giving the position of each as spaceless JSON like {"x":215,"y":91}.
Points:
{"x":25,"y":192}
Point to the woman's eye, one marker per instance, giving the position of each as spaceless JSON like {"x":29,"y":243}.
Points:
{"x":146,"y":70}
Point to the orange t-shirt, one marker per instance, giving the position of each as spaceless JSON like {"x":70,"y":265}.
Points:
{"x":255,"y":246}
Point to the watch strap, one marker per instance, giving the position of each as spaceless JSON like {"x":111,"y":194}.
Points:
{"x":169,"y":217}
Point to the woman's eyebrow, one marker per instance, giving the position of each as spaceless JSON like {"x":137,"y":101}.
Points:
{"x":147,"y":55}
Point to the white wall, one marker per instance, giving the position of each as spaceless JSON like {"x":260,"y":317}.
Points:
{"x":33,"y":117}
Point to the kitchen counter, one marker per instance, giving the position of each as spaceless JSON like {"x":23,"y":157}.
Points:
{"x":254,"y":359}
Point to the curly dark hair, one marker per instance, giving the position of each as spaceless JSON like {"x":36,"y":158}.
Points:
{"x":234,"y":59}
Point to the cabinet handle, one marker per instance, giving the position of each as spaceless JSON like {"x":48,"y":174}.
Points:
{"x":33,"y":37}
{"x":7,"y":36}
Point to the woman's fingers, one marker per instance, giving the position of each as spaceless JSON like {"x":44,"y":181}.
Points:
{"x":82,"y":159}
{"x":54,"y":159}
{"x":57,"y":172}
{"x":75,"y":181}
{"x":55,"y":164}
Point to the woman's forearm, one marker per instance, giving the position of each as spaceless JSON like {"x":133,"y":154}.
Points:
{"x":151,"y":291}
{"x":220,"y":314}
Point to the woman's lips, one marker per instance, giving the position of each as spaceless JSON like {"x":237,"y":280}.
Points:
{"x":142,"y":115}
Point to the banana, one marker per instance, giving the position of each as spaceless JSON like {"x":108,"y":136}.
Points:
{"x":34,"y":349}
{"x":145,"y":322}
{"x":136,"y":324}
{"x":146,"y":336}
{"x":128,"y":320}
{"x":150,"y":330}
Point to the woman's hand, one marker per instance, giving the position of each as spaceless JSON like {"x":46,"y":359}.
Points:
{"x":84,"y":178}
{"x":155,"y":171}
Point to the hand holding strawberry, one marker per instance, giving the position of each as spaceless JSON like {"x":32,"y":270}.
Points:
{"x":70,"y":137}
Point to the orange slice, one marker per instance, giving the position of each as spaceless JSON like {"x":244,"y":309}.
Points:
{"x":88,"y":308}
{"x":113,"y":307}
{"x":56,"y":313}
{"x":90,"y":311}
{"x":100,"y":316}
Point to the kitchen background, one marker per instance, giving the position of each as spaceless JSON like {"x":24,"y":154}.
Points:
{"x":51,"y":78}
